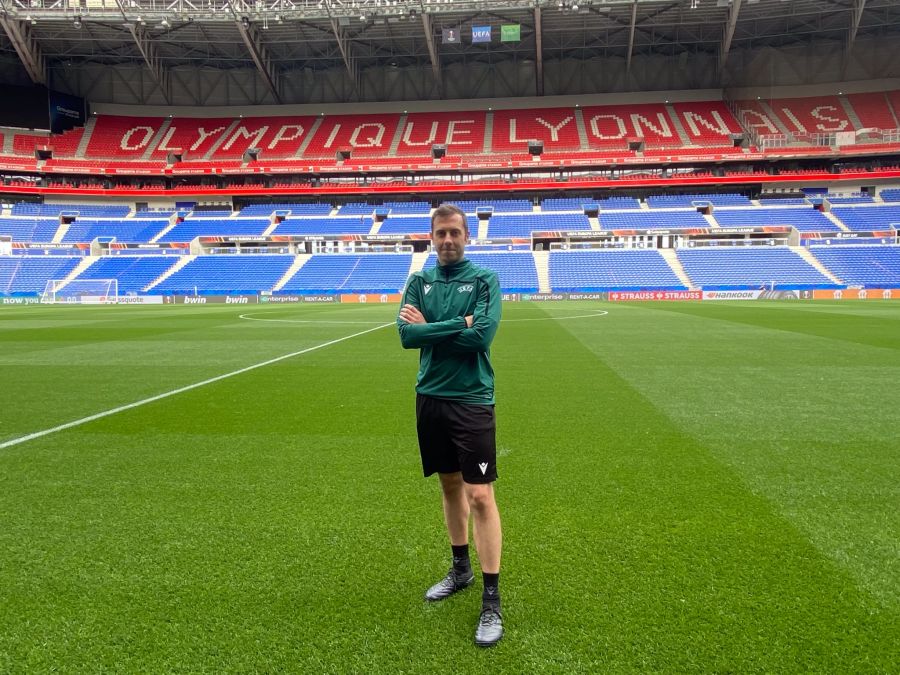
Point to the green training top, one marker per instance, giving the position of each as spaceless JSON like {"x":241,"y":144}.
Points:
{"x":455,"y":361}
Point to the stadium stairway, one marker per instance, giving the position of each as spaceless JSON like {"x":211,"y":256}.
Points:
{"x":181,"y":262}
{"x":86,"y":137}
{"x":582,"y":130}
{"x":272,"y":225}
{"x":834,"y":219}
{"x":851,"y":113}
{"x":398,"y":136}
{"x":483,"y":229}
{"x":157,"y":139}
{"x":418,"y":261}
{"x":676,"y":122}
{"x":542,"y":265}
{"x":776,"y":120}
{"x":220,"y":141}
{"x":804,"y":253}
{"x":60,"y":233}
{"x":309,"y":136}
{"x":711,"y":220}
{"x":488,"y":133}
{"x":173,"y":221}
{"x":299,"y":262}
{"x":671,"y":258}
{"x":82,"y":265}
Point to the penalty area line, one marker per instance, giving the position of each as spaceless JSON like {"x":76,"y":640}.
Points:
{"x":181,"y":390}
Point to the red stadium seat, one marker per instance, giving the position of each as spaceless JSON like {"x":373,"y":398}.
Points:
{"x":555,"y":127}
{"x":707,"y":122}
{"x":461,"y":132}
{"x":613,"y":125}
{"x":276,"y":137}
{"x":873,"y":110}
{"x":364,"y":135}
{"x":122,"y":137}
{"x":192,"y":136}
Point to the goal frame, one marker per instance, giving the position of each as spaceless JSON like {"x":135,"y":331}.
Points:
{"x":81,"y":292}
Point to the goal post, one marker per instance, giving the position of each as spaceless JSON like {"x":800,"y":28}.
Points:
{"x":81,"y":291}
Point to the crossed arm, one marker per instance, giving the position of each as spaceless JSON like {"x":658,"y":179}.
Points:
{"x":472,"y":333}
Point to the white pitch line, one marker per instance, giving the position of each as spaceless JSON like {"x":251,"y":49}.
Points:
{"x":599,"y":312}
{"x":181,"y":390}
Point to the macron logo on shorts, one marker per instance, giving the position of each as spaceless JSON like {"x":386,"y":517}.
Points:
{"x":483,"y":466}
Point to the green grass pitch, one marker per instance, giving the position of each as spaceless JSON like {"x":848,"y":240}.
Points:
{"x":684,"y":488}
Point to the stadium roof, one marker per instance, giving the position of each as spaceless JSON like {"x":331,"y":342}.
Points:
{"x":277,"y":39}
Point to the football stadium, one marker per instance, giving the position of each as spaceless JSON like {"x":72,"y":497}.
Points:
{"x":211,"y":442}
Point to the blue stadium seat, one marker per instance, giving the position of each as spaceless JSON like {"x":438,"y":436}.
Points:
{"x":133,"y":272}
{"x":198,"y":227}
{"x":310,"y":226}
{"x":28,"y":276}
{"x":351,"y":273}
{"x":499,"y":205}
{"x":226,"y":274}
{"x":30,"y":209}
{"x":524,"y":225}
{"x":611,"y":270}
{"x":140,"y":230}
{"x":651,"y":220}
{"x":750,"y":267}
{"x":516,"y":272}
{"x":671,"y":201}
{"x":864,"y":218}
{"x":868,"y":266}
{"x":294,"y":209}
{"x":804,"y":219}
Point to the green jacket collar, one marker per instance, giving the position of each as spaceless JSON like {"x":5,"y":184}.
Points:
{"x":453,"y":268}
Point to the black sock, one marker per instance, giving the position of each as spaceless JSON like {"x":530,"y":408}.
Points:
{"x":461,"y":558}
{"x":491,"y":594}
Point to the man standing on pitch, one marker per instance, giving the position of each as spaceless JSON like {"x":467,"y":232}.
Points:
{"x":451,"y":313}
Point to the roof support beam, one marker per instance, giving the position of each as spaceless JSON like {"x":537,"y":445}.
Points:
{"x":344,"y":47}
{"x":733,"y":12}
{"x":432,"y":52}
{"x":257,"y":50}
{"x":148,"y":50}
{"x":631,"y":38}
{"x":26,"y":47}
{"x":151,"y":58}
{"x":855,"y":17}
{"x":538,"y":52}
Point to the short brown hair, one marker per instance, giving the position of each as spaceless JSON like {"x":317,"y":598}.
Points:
{"x":447,"y":210}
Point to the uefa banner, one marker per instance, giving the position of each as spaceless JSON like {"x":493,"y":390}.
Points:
{"x":373,"y":298}
{"x":855,"y":294}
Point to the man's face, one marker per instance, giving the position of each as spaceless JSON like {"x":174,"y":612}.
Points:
{"x":448,"y":235}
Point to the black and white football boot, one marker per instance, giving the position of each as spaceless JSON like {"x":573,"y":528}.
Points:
{"x":450,"y":584}
{"x":490,"y":627}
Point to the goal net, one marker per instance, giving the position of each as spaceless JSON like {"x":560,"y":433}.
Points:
{"x":81,"y":291}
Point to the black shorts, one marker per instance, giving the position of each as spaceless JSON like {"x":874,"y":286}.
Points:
{"x":457,"y":437}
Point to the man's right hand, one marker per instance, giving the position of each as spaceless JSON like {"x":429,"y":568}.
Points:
{"x":469,"y":320}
